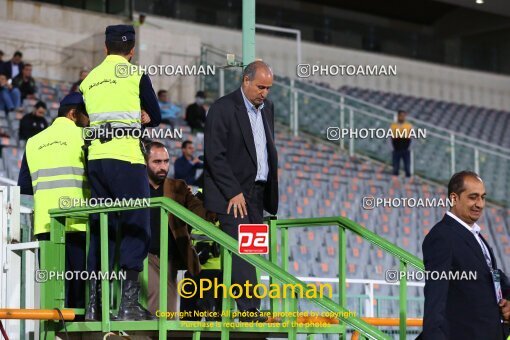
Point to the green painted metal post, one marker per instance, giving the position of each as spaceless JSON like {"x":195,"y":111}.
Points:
{"x":226,"y":303}
{"x":87,"y":245}
{"x":58,"y":238}
{"x":116,"y":293}
{"x":105,"y":283}
{"x":294,"y":308}
{"x":342,"y":264}
{"x":403,"y":301}
{"x":285,"y":263}
{"x":163,"y":272}
{"x":273,"y":256}
{"x":145,"y":283}
{"x":342,"y":270}
{"x":52,"y":259}
{"x":248,"y":31}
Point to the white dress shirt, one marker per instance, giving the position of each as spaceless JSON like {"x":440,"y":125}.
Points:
{"x":259,"y":136}
{"x":475,"y":230}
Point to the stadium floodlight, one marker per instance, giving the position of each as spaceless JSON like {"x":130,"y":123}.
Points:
{"x":480,"y":2}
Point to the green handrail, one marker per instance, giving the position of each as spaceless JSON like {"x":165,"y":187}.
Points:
{"x":52,"y":292}
{"x":343,"y":223}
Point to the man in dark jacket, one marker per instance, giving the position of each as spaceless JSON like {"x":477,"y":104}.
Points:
{"x":185,"y":167}
{"x":25,"y":83}
{"x":241,"y":166}
{"x":33,"y":123}
{"x":195,"y":113}
{"x":13,"y":67}
{"x":461,"y":307}
{"x":181,"y":255}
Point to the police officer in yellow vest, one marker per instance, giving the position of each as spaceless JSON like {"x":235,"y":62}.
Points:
{"x":53,"y":171}
{"x":115,"y":94}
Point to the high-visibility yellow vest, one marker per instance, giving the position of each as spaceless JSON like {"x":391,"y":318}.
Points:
{"x":112,"y":95}
{"x":56,"y":162}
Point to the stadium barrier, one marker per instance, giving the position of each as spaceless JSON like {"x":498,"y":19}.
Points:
{"x":344,"y":224}
{"x":52,"y":291}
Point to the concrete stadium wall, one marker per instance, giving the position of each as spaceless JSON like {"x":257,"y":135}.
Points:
{"x":420,"y":79}
{"x":60,"y":41}
{"x":57,"y":42}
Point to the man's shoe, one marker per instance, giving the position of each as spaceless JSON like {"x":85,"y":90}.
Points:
{"x":93,"y":311}
{"x":252,"y":315}
{"x":129,"y":308}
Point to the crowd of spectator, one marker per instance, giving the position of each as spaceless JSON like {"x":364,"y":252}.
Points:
{"x":17,"y":84}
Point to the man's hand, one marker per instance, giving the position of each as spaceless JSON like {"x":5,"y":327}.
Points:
{"x":239,"y":205}
{"x":146,"y":119}
{"x":504,"y":307}
{"x":196,"y":160}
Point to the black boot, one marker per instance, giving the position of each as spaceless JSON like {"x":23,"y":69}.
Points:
{"x":93,"y":311}
{"x":129,"y":308}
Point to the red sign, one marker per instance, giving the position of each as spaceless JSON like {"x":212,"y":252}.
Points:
{"x":253,"y":239}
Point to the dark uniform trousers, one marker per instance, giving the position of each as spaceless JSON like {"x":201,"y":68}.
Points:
{"x":111,"y":178}
{"x":75,"y":261}
{"x":243,"y":271}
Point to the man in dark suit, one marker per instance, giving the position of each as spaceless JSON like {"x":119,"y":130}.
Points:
{"x":12,"y":67}
{"x":463,"y":309}
{"x":241,"y":165}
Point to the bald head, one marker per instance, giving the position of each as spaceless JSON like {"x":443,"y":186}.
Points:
{"x":257,"y":80}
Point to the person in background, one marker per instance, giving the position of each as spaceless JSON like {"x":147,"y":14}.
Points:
{"x":140,"y":21}
{"x":195,"y":113}
{"x":53,"y":167}
{"x":1,"y":57}
{"x":33,"y":123}
{"x":401,"y":146}
{"x":185,"y":167}
{"x":10,"y":97}
{"x":25,"y":83}
{"x":181,"y":255}
{"x":13,"y":67}
{"x":169,"y":111}
{"x":76,"y":86}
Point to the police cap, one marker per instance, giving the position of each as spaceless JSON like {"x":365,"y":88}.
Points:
{"x":119,"y":33}
{"x":74,"y":98}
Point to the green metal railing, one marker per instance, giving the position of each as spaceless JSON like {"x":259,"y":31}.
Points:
{"x":53,"y":259}
{"x":344,"y":224}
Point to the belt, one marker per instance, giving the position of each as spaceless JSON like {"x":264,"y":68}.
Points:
{"x":260,"y":183}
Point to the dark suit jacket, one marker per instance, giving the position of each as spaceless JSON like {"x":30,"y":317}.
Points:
{"x":460,"y":309}
{"x":185,"y":256}
{"x":230,"y":155}
{"x":6,"y":68}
